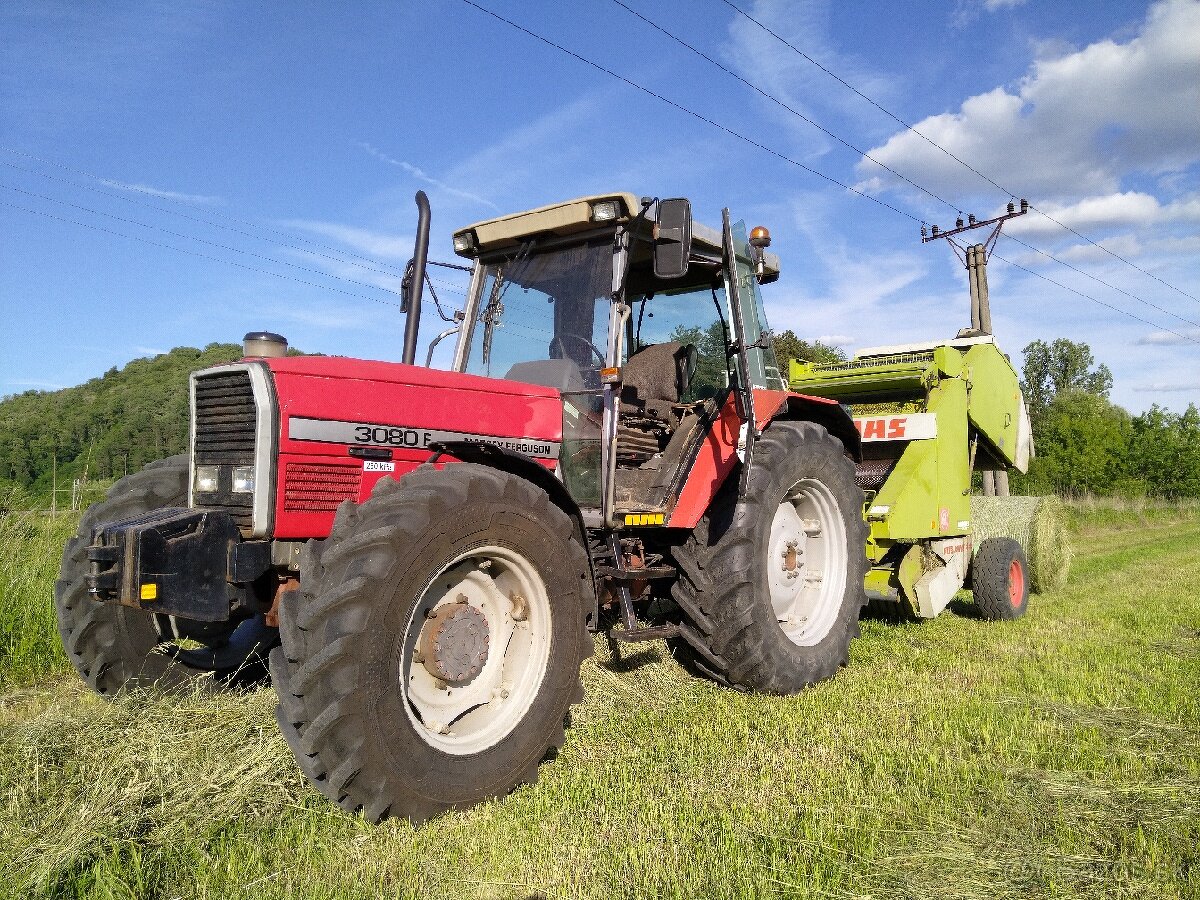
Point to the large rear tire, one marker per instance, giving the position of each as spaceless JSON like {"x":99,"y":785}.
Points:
{"x":435,"y":647}
{"x":116,"y":647}
{"x":773,"y":582}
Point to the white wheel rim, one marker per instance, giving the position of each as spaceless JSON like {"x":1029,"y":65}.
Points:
{"x":806,"y":562}
{"x":505,"y":587}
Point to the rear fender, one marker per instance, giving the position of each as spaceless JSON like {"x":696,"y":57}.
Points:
{"x":717,"y":457}
{"x":833,"y":416}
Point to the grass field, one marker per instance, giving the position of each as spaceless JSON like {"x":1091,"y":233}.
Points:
{"x":1057,"y":756}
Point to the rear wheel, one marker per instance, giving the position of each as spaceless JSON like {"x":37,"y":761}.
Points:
{"x":436,"y":646}
{"x":115,"y":647}
{"x":1000,"y":579}
{"x":773,"y":581}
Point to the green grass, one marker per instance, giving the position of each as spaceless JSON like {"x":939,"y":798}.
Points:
{"x":1056,"y":756}
{"x":30,"y":548}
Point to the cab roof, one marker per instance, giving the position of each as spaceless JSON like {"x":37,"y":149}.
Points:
{"x":571,"y":217}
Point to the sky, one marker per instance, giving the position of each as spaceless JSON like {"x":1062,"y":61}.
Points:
{"x":182,"y":173}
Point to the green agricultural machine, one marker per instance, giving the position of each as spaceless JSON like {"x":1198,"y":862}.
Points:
{"x":929,"y":415}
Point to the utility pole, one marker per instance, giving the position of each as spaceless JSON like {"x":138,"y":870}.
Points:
{"x":975,"y":258}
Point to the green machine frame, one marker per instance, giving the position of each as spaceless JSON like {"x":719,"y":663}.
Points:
{"x":929,"y":414}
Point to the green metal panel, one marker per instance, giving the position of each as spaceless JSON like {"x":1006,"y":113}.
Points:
{"x":995,"y":398}
{"x":926,"y":493}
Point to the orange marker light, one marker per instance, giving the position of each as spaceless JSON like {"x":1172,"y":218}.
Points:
{"x":760,"y":237}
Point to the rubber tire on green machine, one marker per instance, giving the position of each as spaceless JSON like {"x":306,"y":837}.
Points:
{"x":751,"y":638}
{"x":1000,"y":579}
{"x":116,"y":647}
{"x":357,"y":703}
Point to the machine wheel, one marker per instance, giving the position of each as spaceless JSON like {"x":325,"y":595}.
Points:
{"x":435,"y":648}
{"x":1000,"y":579}
{"x":115,"y":647}
{"x":800,"y":536}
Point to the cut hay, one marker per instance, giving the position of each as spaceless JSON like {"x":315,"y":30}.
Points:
{"x":1038,"y":524}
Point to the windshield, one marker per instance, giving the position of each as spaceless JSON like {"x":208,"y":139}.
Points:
{"x":543,"y":316}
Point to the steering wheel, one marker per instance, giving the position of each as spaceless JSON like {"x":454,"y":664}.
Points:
{"x":558,"y":339}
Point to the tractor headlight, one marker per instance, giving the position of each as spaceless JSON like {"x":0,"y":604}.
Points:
{"x":206,"y":480}
{"x":606,"y":210}
{"x":243,"y":479}
{"x":464,"y":242}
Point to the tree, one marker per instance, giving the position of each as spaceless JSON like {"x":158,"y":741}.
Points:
{"x":1082,"y":443}
{"x":1164,"y":452}
{"x":1051,"y":369}
{"x":787,"y":347}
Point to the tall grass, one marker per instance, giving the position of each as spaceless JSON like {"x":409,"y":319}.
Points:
{"x":31,"y":544}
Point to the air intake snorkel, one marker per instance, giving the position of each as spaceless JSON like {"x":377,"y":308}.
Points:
{"x":410,"y":291}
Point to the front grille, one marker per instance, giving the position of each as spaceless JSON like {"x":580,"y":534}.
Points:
{"x":318,"y":487}
{"x":225,"y":423}
{"x":225,"y":419}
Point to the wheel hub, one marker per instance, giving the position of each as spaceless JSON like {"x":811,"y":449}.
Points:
{"x":454,"y":643}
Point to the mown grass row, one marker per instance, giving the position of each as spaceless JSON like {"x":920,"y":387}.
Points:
{"x":1055,"y":756}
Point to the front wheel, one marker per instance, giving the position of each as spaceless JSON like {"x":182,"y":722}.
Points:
{"x":436,"y":647}
{"x":773,"y":581}
{"x":115,"y":647}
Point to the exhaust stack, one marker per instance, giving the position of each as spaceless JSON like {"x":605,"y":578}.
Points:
{"x":413,"y":304}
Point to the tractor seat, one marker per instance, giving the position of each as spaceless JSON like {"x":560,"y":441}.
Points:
{"x":654,"y":378}
{"x":652,"y":381}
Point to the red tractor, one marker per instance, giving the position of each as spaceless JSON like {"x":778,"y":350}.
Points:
{"x":422,"y":554}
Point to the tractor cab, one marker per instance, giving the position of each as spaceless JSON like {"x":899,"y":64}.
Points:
{"x":639,"y":317}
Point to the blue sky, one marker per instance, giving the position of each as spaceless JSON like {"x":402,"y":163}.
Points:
{"x":165,"y":164}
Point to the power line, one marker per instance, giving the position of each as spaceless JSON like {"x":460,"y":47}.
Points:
{"x":228,"y":262}
{"x":343,"y":254}
{"x":692,"y":113}
{"x":188,"y":237}
{"x":1123,"y":312}
{"x":344,"y":257}
{"x":1079,"y":271}
{"x":936,"y":145}
{"x":782,"y":156}
{"x":846,"y":143}
{"x":776,"y":100}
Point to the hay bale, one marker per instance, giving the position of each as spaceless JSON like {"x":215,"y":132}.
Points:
{"x":1038,"y":524}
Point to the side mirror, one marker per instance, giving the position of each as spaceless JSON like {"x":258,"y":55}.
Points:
{"x":672,"y":238}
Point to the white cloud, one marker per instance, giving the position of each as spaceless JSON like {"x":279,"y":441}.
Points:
{"x":372,"y":243}
{"x":420,"y":175}
{"x":1075,"y":124}
{"x":835,"y":340}
{"x":1130,"y":209}
{"x":1167,"y":339}
{"x":993,"y":5}
{"x":1168,"y":386}
{"x":196,"y":199}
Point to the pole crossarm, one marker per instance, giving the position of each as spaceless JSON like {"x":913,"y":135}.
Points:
{"x":936,"y":233}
